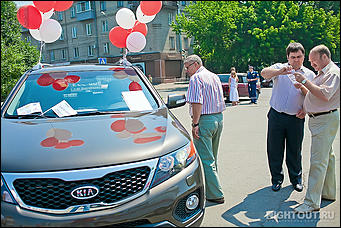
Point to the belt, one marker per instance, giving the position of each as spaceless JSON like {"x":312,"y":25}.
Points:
{"x":210,"y":114}
{"x":321,"y":113}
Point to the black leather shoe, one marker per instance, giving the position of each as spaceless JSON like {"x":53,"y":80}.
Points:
{"x":298,"y":187}
{"x":276,"y":187}
{"x":219,"y":200}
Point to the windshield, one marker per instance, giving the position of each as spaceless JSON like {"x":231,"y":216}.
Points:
{"x":224,"y":78}
{"x":59,"y":94}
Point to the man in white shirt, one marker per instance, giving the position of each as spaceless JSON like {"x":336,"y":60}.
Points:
{"x":286,"y":117}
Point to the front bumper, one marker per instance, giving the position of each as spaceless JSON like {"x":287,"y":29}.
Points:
{"x":159,"y":206}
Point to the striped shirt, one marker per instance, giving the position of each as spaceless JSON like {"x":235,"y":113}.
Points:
{"x":205,"y":88}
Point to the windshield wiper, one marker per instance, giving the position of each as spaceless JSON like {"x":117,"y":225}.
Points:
{"x":29,"y":116}
{"x":93,"y":113}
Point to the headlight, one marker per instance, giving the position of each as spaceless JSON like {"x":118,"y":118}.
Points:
{"x":6,"y":195}
{"x":173,"y":163}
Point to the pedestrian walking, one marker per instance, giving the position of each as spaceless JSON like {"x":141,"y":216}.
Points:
{"x":322,"y":99}
{"x":233,"y":85}
{"x":286,"y":118}
{"x":205,"y":96}
{"x":252,"y":78}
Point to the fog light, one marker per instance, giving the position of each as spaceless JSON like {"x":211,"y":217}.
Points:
{"x":192,"y":202}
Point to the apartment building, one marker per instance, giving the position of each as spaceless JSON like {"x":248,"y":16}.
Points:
{"x":85,"y":39}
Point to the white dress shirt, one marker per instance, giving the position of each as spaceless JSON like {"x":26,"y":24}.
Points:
{"x":285,"y":97}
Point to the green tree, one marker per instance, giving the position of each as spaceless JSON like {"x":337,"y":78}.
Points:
{"x":237,"y":34}
{"x":17,"y":55}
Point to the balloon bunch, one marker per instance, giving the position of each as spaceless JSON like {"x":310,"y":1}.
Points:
{"x":131,"y":33}
{"x":36,"y":18}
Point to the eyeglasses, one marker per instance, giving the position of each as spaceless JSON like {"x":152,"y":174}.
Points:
{"x":189,"y":65}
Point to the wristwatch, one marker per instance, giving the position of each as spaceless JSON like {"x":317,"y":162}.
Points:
{"x":195,"y":125}
{"x":304,"y":81}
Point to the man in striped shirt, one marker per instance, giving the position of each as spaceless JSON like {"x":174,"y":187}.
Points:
{"x":205,"y":96}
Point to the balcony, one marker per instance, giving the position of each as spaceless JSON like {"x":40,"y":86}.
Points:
{"x":86,"y":15}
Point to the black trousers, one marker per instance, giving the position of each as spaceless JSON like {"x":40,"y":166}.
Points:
{"x":284,"y":132}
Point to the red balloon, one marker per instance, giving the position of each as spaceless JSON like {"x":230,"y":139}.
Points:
{"x":29,"y":17}
{"x":72,"y":78}
{"x":45,"y":80}
{"x":118,"y":125}
{"x":118,"y":36}
{"x":44,"y":6}
{"x":150,"y":8}
{"x":49,"y":142}
{"x":140,"y":27}
{"x":62,"y":5}
{"x":60,"y":84}
{"x":134,"y":86}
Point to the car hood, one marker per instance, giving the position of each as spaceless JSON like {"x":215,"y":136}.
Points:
{"x":88,"y":141}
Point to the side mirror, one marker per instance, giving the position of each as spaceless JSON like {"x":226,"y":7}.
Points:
{"x":176,"y":100}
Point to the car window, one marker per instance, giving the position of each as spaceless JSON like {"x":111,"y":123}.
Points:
{"x":224,"y":78}
{"x":242,"y":79}
{"x":84,"y":90}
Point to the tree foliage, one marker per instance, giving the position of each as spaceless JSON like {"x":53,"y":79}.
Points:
{"x":232,"y":33}
{"x":17,"y":56}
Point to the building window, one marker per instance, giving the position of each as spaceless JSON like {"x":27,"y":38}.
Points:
{"x":90,"y":50}
{"x":63,"y":53}
{"x":83,"y":6}
{"x":61,"y":35}
{"x":119,"y":4}
{"x":52,"y":55}
{"x":76,"y":52}
{"x":172,"y":42}
{"x":170,"y":18}
{"x":103,"y":6}
{"x":74,"y":32}
{"x":60,"y":16}
{"x":73,"y":14}
{"x":105,"y":26}
{"x":88,"y":29}
{"x":186,"y":44}
{"x":106,"y":48}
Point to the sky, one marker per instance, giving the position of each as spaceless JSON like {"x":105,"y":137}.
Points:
{"x":22,"y":3}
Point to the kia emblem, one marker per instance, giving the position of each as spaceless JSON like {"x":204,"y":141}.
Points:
{"x":85,"y":192}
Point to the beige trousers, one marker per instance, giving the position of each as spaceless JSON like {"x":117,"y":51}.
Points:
{"x":322,"y":174}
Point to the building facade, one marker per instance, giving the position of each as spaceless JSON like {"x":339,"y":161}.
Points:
{"x":85,"y":39}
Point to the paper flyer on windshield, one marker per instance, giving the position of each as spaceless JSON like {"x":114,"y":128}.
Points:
{"x":136,"y":101}
{"x":63,"y":109}
{"x":29,"y":109}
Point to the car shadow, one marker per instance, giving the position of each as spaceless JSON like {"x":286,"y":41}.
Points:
{"x":268,"y":208}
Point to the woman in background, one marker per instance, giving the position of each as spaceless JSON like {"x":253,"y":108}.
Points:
{"x":233,"y":84}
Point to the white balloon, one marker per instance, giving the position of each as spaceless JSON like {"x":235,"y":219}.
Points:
{"x":136,"y":41}
{"x":50,"y":30}
{"x":143,"y":18}
{"x":35,"y":33}
{"x":47,"y":15}
{"x":125,"y":18}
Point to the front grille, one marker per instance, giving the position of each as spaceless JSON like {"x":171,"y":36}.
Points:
{"x":52,"y":193}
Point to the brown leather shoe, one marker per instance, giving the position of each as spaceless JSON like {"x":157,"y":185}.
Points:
{"x":219,"y":200}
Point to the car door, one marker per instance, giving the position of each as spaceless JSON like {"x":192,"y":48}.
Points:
{"x":242,"y":86}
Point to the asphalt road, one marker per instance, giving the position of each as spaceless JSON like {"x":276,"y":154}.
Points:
{"x":244,"y":173}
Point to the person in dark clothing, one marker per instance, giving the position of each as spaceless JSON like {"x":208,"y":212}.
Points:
{"x":252,"y":78}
